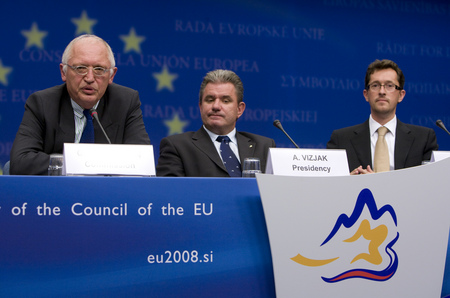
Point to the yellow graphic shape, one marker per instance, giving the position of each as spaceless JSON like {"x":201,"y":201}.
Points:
{"x":84,"y":24}
{"x":132,"y":41}
{"x":4,"y":71}
{"x":165,"y":79}
{"x":176,"y":125}
{"x":310,"y":262}
{"x":34,"y":36}
{"x":376,"y":237}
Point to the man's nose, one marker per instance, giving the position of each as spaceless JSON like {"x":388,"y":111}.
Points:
{"x":216,"y":104}
{"x":381,"y":88}
{"x":89,"y":77}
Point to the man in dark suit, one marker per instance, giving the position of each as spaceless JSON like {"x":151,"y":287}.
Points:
{"x":198,"y":154}
{"x":408,"y":145}
{"x":55,"y":116}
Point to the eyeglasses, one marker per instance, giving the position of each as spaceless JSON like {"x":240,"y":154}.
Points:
{"x":83,"y":70}
{"x":389,"y":87}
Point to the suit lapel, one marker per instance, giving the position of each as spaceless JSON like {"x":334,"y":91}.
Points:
{"x":202,"y":141}
{"x":361,"y":143}
{"x":246,"y":146}
{"x":66,"y":131}
{"x":403,"y":142}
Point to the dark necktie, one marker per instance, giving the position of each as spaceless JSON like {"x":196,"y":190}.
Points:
{"x":88,"y":132}
{"x":229,"y":159}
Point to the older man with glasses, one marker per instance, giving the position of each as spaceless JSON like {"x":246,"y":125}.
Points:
{"x":383,"y":142}
{"x":62,"y":114}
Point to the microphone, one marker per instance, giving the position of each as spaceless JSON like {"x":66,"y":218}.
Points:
{"x":95,"y":115}
{"x":278,"y":125}
{"x":441,"y":125}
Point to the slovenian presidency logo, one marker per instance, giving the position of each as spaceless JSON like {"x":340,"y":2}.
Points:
{"x":367,"y":229}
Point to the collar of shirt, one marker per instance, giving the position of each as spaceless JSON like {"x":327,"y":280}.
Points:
{"x":77,"y":110}
{"x":390,"y":138}
{"x":391,"y":126}
{"x":233,"y":143}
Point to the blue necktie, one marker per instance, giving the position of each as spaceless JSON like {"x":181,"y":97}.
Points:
{"x":229,"y":159}
{"x":88,"y":132}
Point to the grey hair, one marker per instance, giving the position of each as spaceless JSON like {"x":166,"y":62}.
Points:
{"x":223,"y":76}
{"x":67,"y":55}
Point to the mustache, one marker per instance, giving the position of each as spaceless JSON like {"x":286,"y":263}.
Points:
{"x":382,"y":98}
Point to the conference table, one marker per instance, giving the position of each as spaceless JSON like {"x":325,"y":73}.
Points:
{"x":135,"y":236}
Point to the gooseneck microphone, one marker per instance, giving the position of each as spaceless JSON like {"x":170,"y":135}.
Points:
{"x":441,"y":125}
{"x":278,"y":125}
{"x":95,"y":115}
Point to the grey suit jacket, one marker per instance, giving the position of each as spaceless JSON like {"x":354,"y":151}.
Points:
{"x":48,"y":122}
{"x":413,"y":144}
{"x":192,"y":154}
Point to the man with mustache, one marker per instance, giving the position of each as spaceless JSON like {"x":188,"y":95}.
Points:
{"x":197,"y":154}
{"x":408,"y":145}
{"x":60,"y":114}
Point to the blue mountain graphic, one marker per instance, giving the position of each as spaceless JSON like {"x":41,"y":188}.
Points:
{"x":365,"y":197}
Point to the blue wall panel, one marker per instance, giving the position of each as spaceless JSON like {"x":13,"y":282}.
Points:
{"x":302,"y":62}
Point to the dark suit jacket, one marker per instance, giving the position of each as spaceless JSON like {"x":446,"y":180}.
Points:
{"x":413,"y":144}
{"x":48,"y":122}
{"x":192,"y":154}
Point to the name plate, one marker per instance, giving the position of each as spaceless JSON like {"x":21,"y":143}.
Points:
{"x":108,"y":159}
{"x":307,"y":162}
{"x":439,"y":155}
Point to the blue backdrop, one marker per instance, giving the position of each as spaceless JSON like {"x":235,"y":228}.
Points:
{"x":302,"y":62}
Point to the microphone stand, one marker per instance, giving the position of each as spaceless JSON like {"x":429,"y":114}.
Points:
{"x":278,"y":125}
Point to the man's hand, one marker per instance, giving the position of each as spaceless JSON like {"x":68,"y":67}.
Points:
{"x":359,"y":170}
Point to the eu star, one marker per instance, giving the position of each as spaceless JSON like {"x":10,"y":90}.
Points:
{"x":176,"y":125}
{"x":84,"y":24}
{"x":34,"y":36}
{"x":4,"y":71}
{"x":132,"y":41}
{"x":165,"y":79}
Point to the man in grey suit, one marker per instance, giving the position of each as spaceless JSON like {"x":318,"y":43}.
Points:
{"x":408,"y":145}
{"x":198,"y":154}
{"x":56,"y":116}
